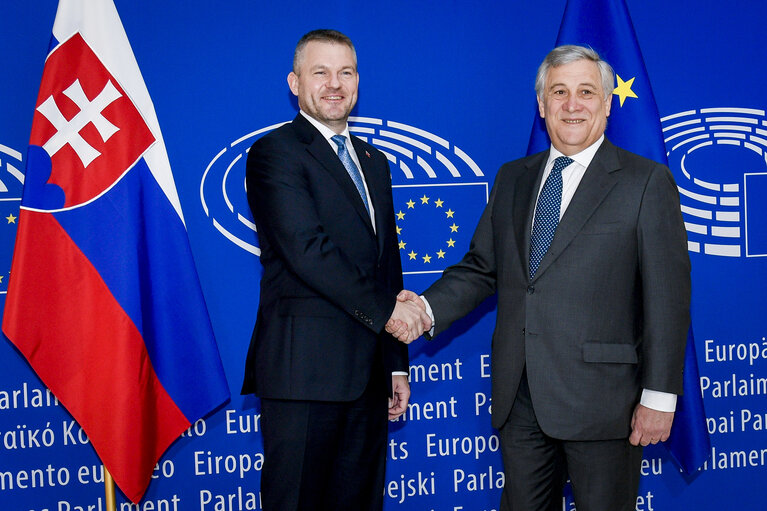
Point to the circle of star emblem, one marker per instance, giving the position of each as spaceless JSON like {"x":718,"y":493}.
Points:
{"x":425,"y":200}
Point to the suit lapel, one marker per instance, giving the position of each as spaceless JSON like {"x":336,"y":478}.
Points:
{"x":377,"y":188}
{"x":320,"y":149}
{"x":524,"y":204}
{"x":592,"y":190}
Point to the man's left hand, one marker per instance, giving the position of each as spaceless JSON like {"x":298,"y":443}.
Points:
{"x":650,"y":426}
{"x":400,"y":389}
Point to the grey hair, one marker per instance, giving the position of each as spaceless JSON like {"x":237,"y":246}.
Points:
{"x":567,"y":54}
{"x":325,"y":36}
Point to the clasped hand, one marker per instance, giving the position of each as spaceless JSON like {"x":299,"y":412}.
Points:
{"x":409,"y":319}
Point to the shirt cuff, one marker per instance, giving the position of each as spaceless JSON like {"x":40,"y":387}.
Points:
{"x":399,"y":373}
{"x":430,"y":313}
{"x":660,"y":401}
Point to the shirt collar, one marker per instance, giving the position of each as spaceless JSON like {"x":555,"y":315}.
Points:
{"x":324,"y":130}
{"x":583,"y":158}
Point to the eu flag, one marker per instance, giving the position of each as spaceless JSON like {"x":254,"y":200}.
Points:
{"x":689,"y":443}
{"x":634,"y":124}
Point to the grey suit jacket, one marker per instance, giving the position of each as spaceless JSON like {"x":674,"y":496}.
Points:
{"x":607,"y":312}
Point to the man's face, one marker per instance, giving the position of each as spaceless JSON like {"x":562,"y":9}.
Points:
{"x":574,"y":106}
{"x":326,"y":83}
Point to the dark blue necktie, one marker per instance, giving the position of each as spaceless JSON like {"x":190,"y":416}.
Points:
{"x":547,"y":213}
{"x":351,"y":168}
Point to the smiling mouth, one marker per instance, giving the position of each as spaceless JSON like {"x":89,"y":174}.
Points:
{"x":334,"y":98}
{"x":572,"y":121}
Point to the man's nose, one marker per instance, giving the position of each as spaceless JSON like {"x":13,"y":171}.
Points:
{"x":572,"y":104}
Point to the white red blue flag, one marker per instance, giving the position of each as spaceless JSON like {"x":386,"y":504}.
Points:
{"x":104,"y":300}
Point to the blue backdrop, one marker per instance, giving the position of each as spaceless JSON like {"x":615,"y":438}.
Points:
{"x":446,"y":90}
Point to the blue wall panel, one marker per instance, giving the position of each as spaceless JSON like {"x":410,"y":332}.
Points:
{"x":455,"y":78}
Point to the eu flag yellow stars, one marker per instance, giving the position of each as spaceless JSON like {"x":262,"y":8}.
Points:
{"x":435,"y":223}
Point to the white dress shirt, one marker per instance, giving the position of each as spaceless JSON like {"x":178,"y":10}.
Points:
{"x":571,"y":175}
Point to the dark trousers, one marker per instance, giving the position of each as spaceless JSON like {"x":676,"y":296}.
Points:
{"x":322,"y":455}
{"x":604,"y":474}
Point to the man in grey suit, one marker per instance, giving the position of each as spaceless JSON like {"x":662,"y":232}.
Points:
{"x":585,"y":246}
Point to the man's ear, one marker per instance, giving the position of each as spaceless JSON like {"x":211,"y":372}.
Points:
{"x":293,"y":83}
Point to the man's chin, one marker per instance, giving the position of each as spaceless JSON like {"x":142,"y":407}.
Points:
{"x":334,"y":120}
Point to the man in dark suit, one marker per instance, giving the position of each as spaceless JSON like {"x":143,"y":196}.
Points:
{"x":585,"y":246}
{"x":319,"y":357}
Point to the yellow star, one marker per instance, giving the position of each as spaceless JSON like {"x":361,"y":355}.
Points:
{"x":410,"y":204}
{"x":427,"y":258}
{"x":451,"y":242}
{"x":453,"y":228}
{"x":438,"y":203}
{"x":412,"y":255}
{"x":400,"y":215}
{"x":424,"y":199}
{"x":402,"y":245}
{"x":1,"y":278}
{"x":399,"y":230}
{"x":449,"y":213}
{"x":441,"y":254}
{"x":11,"y":219}
{"x":623,"y":90}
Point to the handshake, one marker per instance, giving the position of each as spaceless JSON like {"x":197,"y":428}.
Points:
{"x":409,"y":320}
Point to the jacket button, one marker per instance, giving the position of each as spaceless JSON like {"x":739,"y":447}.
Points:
{"x":530,"y":290}
{"x":523,"y":331}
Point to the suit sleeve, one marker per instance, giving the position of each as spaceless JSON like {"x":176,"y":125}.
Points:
{"x":284,"y":207}
{"x":665,"y":276}
{"x":467,"y":283}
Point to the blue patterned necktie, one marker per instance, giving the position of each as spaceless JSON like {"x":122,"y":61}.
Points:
{"x":351,"y":168}
{"x":547,"y":213}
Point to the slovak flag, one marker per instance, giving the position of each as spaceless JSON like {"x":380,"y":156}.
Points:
{"x":104,"y":300}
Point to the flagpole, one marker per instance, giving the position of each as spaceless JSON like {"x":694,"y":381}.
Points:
{"x":109,"y":488}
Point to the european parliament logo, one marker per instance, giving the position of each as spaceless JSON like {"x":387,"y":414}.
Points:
{"x":719,"y":157}
{"x":11,"y":186}
{"x":222,"y":192}
{"x":438,"y":195}
{"x":439,"y":192}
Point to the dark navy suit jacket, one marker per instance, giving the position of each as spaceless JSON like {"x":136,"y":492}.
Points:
{"x":330,"y":281}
